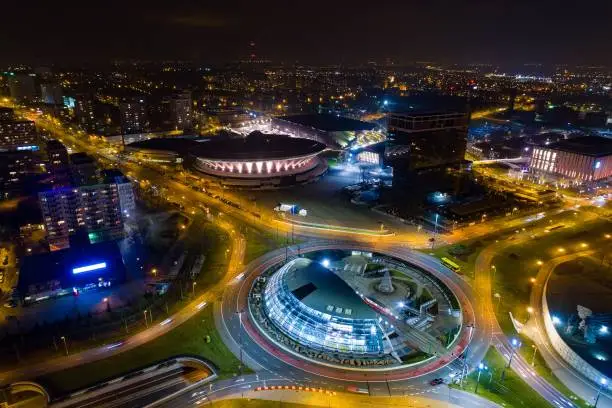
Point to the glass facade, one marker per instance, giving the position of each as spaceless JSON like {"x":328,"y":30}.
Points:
{"x":317,"y":329}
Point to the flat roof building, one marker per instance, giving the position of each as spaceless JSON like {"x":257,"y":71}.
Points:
{"x":70,"y":271}
{"x":574,"y":161}
{"x":334,"y":131}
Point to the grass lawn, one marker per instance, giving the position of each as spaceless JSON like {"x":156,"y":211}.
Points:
{"x":188,"y":338}
{"x":512,"y":392}
{"x":517,"y":264}
{"x":260,"y":242}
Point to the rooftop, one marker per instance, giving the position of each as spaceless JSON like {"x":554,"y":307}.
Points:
{"x":595,"y":146}
{"x":321,"y":289}
{"x":329,"y":123}
{"x":255,"y":146}
{"x":58,"y":265}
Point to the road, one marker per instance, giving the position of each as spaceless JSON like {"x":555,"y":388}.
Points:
{"x":245,"y":387}
{"x":574,"y":381}
{"x":264,"y":357}
{"x":139,"y":391}
{"x":483,"y":286}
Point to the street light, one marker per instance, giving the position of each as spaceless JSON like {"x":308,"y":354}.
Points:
{"x":65,"y":344}
{"x":145,"y":317}
{"x":480,"y":368}
{"x":193,"y":285}
{"x":514,"y":345}
{"x":535,"y":349}
{"x":602,"y":383}
{"x":540,"y":263}
{"x":561,"y":249}
{"x":529,"y":309}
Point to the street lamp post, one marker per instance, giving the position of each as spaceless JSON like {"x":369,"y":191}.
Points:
{"x":193,"y":285}
{"x":65,"y":344}
{"x":514,"y":344}
{"x":145,"y":317}
{"x":239,"y":314}
{"x":480,"y":368}
{"x":498,"y":297}
{"x":602,"y":383}
{"x":535,"y":349}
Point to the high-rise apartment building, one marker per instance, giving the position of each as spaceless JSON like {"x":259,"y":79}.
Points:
{"x":58,"y":163}
{"x":22,"y":86}
{"x":18,"y":135}
{"x":133,"y":116}
{"x":83,"y":169}
{"x":180,"y":111}
{"x":96,"y":209}
{"x":127,"y":202}
{"x":84,"y":111}
{"x":51,"y":93}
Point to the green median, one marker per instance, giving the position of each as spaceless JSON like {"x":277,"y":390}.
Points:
{"x":198,"y":336}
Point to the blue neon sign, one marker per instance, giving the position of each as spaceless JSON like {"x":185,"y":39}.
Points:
{"x":88,"y":268}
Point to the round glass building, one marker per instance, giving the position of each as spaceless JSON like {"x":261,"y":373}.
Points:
{"x":313,"y":306}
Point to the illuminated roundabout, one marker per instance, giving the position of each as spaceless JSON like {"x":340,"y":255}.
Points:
{"x":351,"y":313}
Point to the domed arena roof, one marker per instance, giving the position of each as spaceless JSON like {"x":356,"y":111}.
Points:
{"x":321,"y":289}
{"x":313,"y":306}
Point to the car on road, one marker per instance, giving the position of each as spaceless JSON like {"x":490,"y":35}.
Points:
{"x":436,"y":381}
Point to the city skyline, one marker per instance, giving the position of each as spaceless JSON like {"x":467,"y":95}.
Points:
{"x":506,"y":33}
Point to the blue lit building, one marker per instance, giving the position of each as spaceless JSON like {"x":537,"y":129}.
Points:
{"x":314,"y":307}
{"x":70,"y":272}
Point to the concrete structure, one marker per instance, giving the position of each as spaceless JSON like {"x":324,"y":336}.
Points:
{"x":574,"y":161}
{"x":334,"y":131}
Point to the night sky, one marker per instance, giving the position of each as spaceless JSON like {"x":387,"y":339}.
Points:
{"x":499,"y":32}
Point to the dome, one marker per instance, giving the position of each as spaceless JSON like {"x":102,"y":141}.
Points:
{"x":313,"y":306}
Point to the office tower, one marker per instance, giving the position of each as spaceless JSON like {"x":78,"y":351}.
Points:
{"x":421,"y":141}
{"x":83,"y":169}
{"x":18,"y":135}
